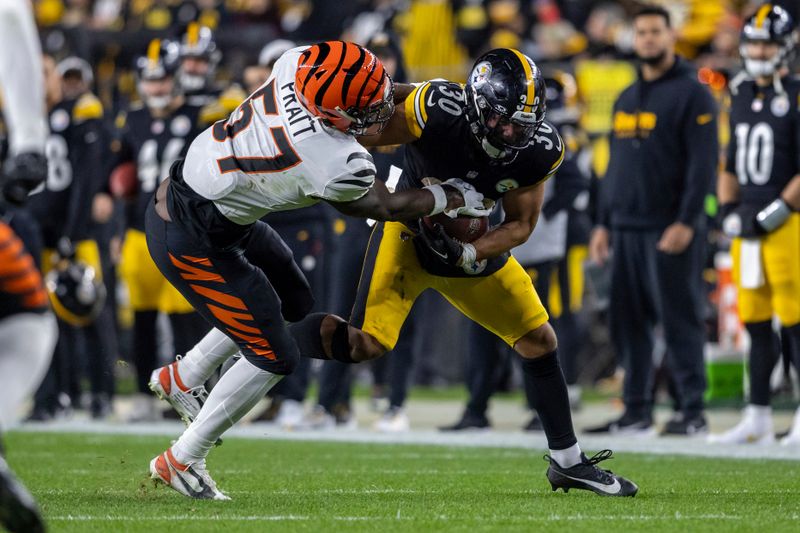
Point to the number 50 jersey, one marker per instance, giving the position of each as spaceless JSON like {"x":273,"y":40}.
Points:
{"x":273,"y":155}
{"x":764,"y":149}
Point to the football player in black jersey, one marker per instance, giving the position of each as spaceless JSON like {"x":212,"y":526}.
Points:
{"x":62,"y":206}
{"x":492,"y":133}
{"x":153,"y":135}
{"x":759,"y":194}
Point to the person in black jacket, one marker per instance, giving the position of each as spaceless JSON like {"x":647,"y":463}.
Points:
{"x":664,"y":152}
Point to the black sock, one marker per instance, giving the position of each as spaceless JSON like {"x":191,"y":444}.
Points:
{"x":144,"y":347}
{"x":307,"y":336}
{"x":549,"y":393}
{"x":763,"y":356}
{"x":794,"y":344}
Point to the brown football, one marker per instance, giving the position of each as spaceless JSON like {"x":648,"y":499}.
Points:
{"x":463,"y":229}
{"x":124,"y":181}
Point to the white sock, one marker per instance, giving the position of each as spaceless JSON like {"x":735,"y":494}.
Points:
{"x":567,"y":458}
{"x":26,"y":347}
{"x":200,"y":362}
{"x":237,"y":391}
{"x":760,"y":415}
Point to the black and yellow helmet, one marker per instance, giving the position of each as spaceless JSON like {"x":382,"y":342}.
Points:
{"x":506,"y":84}
{"x":160,"y":61}
{"x":773,"y":24}
{"x":77,"y":296}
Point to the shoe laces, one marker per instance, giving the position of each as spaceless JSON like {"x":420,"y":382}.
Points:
{"x":602,"y":455}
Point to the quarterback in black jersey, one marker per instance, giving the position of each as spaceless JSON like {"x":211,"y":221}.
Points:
{"x":492,"y":134}
{"x":759,"y":194}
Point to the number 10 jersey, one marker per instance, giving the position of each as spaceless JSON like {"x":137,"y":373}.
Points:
{"x":764,"y":148}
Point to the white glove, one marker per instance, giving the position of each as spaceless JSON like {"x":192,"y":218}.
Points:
{"x":474,"y":203}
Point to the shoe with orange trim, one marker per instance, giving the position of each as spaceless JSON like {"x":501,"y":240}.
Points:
{"x":191,"y":480}
{"x":166,"y":383}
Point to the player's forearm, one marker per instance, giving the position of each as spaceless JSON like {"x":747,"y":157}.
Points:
{"x":412,"y":204}
{"x":791,"y":193}
{"x":502,"y":239}
{"x":727,"y":188}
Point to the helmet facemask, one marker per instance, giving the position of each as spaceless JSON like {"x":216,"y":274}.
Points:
{"x":499,"y":133}
{"x":374,"y":118}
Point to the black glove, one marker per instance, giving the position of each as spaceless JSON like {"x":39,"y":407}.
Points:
{"x":739,"y":220}
{"x":21,"y":174}
{"x":447,"y":249}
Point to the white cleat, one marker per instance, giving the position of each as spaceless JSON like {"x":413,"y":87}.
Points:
{"x":395,"y":420}
{"x":191,"y":480}
{"x":754,"y":428}
{"x":793,"y":438}
{"x":166,"y":383}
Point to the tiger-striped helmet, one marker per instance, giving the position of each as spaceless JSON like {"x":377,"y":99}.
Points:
{"x":345,"y":85}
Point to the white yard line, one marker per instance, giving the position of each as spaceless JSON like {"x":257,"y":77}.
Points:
{"x":484,"y":439}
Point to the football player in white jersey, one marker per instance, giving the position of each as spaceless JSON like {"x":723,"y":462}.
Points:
{"x":27,"y":327}
{"x":291,"y":144}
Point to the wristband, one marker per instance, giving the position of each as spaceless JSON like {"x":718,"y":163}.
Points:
{"x":439,"y":199}
{"x":774,"y":215}
{"x":468,"y":255}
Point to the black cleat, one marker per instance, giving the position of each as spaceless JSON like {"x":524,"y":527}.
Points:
{"x":587,"y":476}
{"x":628,"y":424}
{"x":692,"y":426}
{"x":469,"y":421}
{"x":18,"y":510}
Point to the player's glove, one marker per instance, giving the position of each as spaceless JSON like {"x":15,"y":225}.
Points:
{"x":475,"y":205}
{"x":449,"y":250}
{"x":739,"y":220}
{"x":21,"y":174}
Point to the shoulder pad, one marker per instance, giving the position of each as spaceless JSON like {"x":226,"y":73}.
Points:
{"x":443,"y":99}
{"x":231,"y":97}
{"x":87,"y":107}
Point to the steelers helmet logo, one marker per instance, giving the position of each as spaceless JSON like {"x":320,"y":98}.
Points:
{"x":481,"y":73}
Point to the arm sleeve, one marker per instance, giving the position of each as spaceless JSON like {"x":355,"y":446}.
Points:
{"x":21,"y":77}
{"x":701,"y":145}
{"x":730,"y":150}
{"x":354,"y":182}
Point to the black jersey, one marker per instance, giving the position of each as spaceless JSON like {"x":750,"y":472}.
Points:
{"x":153,"y":144}
{"x":75,"y":168}
{"x":764,"y":146}
{"x":446,"y":148}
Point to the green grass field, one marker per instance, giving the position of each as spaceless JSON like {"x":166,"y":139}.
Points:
{"x":100,"y":483}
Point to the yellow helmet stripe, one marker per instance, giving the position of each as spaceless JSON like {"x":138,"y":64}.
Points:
{"x":192,"y":33}
{"x":761,"y":16}
{"x":153,"y":51}
{"x":528,"y":76}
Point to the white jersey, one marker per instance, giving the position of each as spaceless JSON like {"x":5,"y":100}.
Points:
{"x":273,"y":155}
